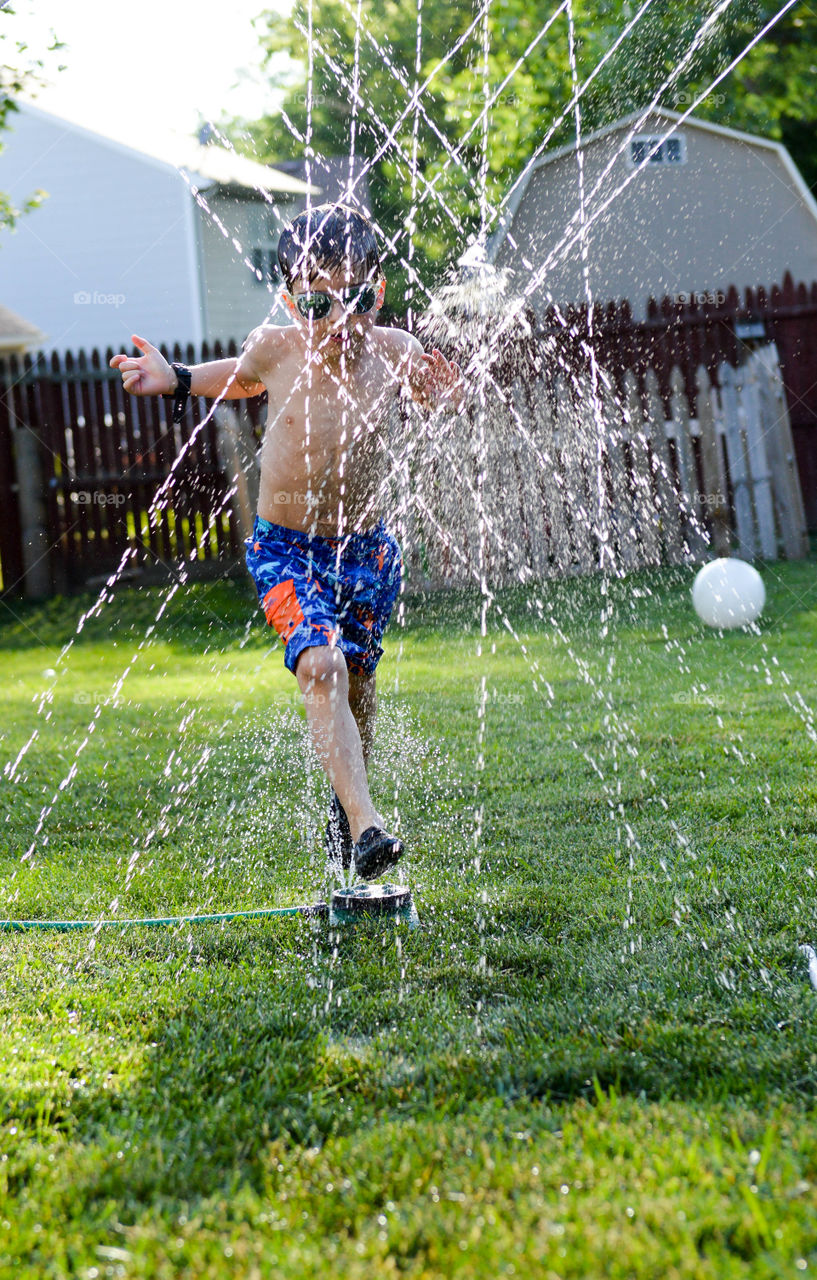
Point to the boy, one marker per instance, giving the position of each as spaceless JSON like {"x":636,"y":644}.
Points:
{"x":326,"y":568}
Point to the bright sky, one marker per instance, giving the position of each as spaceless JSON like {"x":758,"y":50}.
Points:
{"x":137,"y":69}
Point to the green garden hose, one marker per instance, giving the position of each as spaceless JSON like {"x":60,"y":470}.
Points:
{"x":65,"y":926}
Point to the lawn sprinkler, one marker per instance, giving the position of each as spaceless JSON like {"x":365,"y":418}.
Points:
{"x":478,"y":318}
{"x":389,"y":902}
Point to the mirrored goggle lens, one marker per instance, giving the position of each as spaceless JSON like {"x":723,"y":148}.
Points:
{"x":316,"y":304}
{"x":358,"y":300}
{"x":364,"y":301}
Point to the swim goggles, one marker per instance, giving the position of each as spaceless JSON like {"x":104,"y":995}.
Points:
{"x":356,"y":300}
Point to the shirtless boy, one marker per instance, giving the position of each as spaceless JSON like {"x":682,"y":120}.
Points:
{"x":326,"y":567}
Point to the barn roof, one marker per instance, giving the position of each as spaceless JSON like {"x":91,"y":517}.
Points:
{"x":515,"y":194}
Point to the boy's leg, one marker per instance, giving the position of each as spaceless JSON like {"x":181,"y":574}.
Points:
{"x":323,"y":679}
{"x":363,"y":705}
{"x":370,"y":579}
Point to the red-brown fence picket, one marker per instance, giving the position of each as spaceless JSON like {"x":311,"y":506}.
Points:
{"x":709,"y":330}
{"x":82,"y":462}
{"x":101,"y":458}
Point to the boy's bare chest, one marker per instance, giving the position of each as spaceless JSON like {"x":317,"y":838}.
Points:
{"x":331,"y":409}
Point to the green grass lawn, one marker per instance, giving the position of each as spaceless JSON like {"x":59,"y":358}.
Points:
{"x":596,"y":1057}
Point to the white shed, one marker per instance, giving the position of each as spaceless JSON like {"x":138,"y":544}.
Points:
{"x":671,"y":208}
{"x":177,"y":245}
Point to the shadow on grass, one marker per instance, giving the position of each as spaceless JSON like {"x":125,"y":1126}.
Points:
{"x":291,"y":1035}
{"x":202,"y":615}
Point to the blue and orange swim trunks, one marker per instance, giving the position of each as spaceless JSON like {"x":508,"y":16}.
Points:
{"x":323,"y":591}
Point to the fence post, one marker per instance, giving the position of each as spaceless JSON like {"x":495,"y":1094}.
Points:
{"x":34,"y":537}
{"x":689,"y":499}
{"x":646,"y":511}
{"x":712,"y":466}
{"x":540,"y":412}
{"x":576,"y":476}
{"x":737,"y":463}
{"x":624,"y":497}
{"x":669,"y":510}
{"x":774,"y":416}
{"x":758,"y":464}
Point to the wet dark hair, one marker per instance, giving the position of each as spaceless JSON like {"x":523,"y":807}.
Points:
{"x":324,"y":238}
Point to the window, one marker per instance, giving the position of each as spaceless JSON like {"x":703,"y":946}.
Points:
{"x":265,"y":266}
{"x":656,"y":151}
{"x":263,"y":230}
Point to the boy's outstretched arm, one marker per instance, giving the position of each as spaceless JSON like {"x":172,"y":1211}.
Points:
{"x":151,"y":375}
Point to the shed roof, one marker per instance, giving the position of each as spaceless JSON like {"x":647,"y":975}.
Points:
{"x":515,"y":194}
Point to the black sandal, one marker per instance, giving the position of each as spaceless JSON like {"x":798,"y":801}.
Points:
{"x":375,"y":852}
{"x":338,"y":841}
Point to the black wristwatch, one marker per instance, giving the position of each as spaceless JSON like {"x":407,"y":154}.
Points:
{"x":179,"y":396}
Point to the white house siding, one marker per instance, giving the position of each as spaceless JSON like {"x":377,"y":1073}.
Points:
{"x":730,"y":215}
{"x":235,"y":301}
{"x":107,"y":254}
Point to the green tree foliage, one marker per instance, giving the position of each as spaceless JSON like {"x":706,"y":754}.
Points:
{"x":438,"y":174}
{"x":771,"y":91}
{"x":17,"y":72}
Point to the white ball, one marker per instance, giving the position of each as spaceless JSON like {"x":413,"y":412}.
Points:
{"x":728,"y":593}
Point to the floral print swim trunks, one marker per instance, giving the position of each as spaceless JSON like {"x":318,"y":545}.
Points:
{"x":323,"y":591}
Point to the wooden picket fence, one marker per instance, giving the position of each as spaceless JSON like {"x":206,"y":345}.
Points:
{"x":690,"y":455}
{"x":562,"y":487}
{"x":710,"y":329}
{"x":82,"y":463}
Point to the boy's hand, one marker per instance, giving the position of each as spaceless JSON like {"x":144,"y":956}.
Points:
{"x":436,"y":380}
{"x":145,"y":375}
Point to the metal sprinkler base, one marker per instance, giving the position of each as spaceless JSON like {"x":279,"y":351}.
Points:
{"x":382,"y":901}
